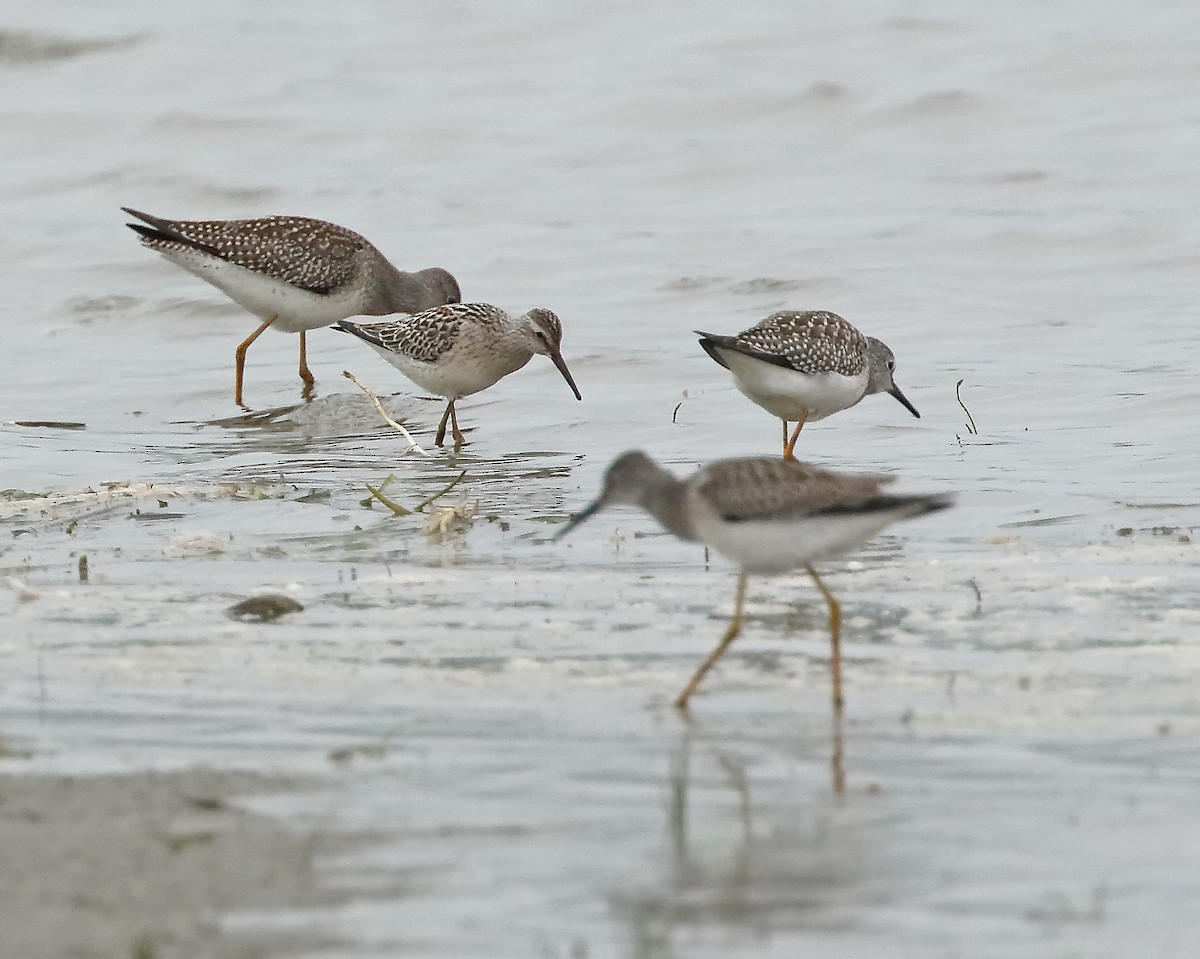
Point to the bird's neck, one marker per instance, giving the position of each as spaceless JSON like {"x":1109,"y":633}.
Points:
{"x":399,"y":292}
{"x":666,"y":500}
{"x":876,"y":382}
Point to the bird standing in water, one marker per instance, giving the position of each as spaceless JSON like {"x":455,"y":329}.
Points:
{"x":294,"y":273}
{"x":767,"y":515}
{"x":462,"y":348}
{"x":805,"y":366}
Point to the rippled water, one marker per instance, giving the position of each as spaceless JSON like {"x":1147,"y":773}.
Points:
{"x":1004,"y":195}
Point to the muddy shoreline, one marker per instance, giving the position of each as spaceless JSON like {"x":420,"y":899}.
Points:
{"x":157,"y":864}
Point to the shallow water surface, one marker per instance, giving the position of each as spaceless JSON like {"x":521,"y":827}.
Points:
{"x":996,"y":194}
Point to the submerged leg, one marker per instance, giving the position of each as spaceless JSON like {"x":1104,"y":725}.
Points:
{"x":239,"y":356}
{"x":305,"y":372}
{"x":837,"y":760}
{"x":789,"y":445}
{"x":735,"y":627}
{"x":835,"y":637}
{"x":459,"y":439}
{"x":440,"y":439}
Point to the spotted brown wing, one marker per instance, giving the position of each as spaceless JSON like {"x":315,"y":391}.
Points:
{"x":310,"y":254}
{"x":810,"y":341}
{"x":749,"y":489}
{"x":423,"y":336}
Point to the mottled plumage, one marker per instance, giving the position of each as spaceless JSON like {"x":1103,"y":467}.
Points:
{"x":749,"y":489}
{"x":295,"y":273}
{"x":462,"y":348}
{"x":767,"y":515}
{"x":810,"y":341}
{"x":803,"y":366}
{"x":425,"y":336}
{"x":310,"y":254}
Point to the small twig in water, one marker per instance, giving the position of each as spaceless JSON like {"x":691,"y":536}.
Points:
{"x":442,"y":492}
{"x":400,"y":510}
{"x":970,"y":419}
{"x":366,"y":503}
{"x":412,"y":443}
{"x":396,"y":508}
{"x":675,"y":412}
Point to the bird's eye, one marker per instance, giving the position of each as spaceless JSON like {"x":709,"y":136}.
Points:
{"x":540,"y":335}
{"x":892,"y":365}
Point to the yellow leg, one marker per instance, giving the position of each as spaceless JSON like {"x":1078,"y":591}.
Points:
{"x":789,"y":445}
{"x":305,"y":372}
{"x":440,"y":439}
{"x":459,"y":439}
{"x":835,"y":638}
{"x":837,"y":759}
{"x":735,"y":627}
{"x":239,"y":356}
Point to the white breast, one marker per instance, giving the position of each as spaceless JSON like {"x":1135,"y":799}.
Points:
{"x":791,"y":395}
{"x":265,"y":297}
{"x":461,"y":371}
{"x":776,"y":546}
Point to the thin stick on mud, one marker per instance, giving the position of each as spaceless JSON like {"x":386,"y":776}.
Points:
{"x":401,"y":510}
{"x":412,"y":443}
{"x":440,"y":493}
{"x":377,"y":493}
{"x":970,"y":419}
{"x":366,"y":503}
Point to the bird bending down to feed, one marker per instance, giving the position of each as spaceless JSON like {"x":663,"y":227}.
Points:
{"x":805,"y":366}
{"x":768,"y":516}
{"x":294,"y":273}
{"x":459,"y":349}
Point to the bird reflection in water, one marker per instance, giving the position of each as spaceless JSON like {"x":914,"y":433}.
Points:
{"x":746,"y":849}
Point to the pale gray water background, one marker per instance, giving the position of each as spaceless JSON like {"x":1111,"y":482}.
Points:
{"x":1004,"y":194}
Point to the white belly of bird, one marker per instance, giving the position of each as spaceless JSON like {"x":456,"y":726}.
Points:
{"x":791,"y":395}
{"x":776,"y":546}
{"x":461,"y":371}
{"x":295,"y":309}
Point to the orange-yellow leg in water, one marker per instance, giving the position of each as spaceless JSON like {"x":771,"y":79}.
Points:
{"x":735,"y":627}
{"x":305,"y":372}
{"x":451,"y":417}
{"x":240,"y":358}
{"x":789,"y":444}
{"x":835,"y":637}
{"x":837,"y":758}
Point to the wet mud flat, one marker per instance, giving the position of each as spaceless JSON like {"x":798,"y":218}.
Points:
{"x":493,"y":710}
{"x":181,"y":585}
{"x":160,"y":864}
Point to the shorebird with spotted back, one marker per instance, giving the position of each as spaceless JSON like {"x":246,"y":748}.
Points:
{"x":767,"y":515}
{"x":805,"y":366}
{"x":462,"y":348}
{"x":294,"y":273}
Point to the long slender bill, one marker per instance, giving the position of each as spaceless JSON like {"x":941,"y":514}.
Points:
{"x":591,"y":510}
{"x":558,"y":361}
{"x":895,"y":391}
